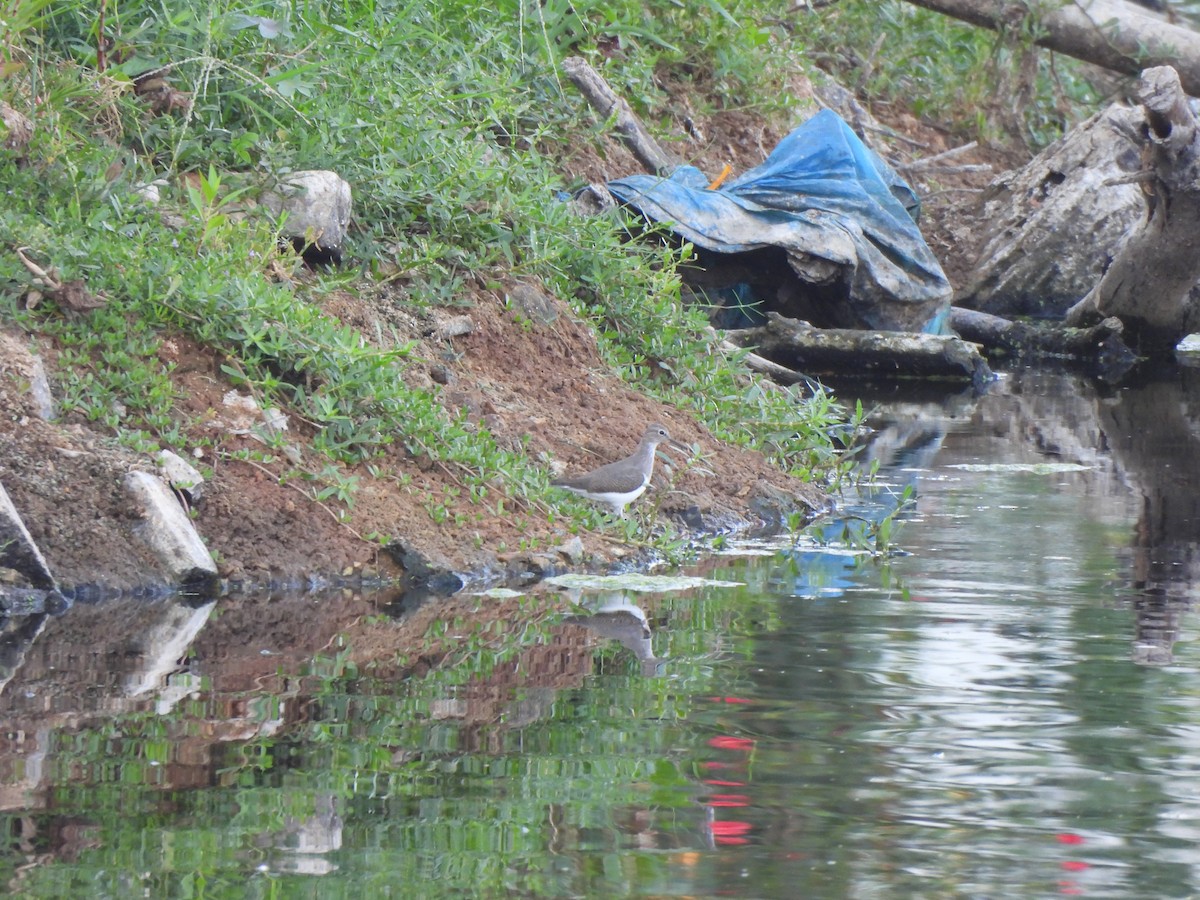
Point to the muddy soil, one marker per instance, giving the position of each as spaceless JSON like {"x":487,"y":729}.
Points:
{"x":535,"y":382}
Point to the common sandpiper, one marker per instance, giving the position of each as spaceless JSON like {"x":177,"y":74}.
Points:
{"x":620,"y":483}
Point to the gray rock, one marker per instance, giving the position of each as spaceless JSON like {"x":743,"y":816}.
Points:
{"x":318,"y":206}
{"x":168,"y":531}
{"x":572,"y":551}
{"x":18,"y":550}
{"x":16,"y":129}
{"x":534,"y":302}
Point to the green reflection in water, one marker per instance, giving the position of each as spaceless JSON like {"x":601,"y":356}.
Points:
{"x":831,"y":729}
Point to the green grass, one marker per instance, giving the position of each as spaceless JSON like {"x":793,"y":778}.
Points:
{"x":444,"y":117}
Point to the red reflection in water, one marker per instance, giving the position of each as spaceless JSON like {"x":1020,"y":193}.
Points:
{"x":730,"y":700}
{"x":728,"y":800}
{"x":727,"y":742}
{"x":730,"y":832}
{"x":724,"y":831}
{"x":1067,"y":886}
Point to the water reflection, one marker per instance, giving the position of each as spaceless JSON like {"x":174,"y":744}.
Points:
{"x":1140,"y":445}
{"x":616,"y":615}
{"x":1009,"y":706}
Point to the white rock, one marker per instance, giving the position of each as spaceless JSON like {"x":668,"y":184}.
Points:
{"x":318,"y":205}
{"x":151,"y":192}
{"x":1190,"y":344}
{"x":20,"y":551}
{"x":167,"y":529}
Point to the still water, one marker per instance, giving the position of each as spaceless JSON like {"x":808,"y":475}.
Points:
{"x":1010,"y":707}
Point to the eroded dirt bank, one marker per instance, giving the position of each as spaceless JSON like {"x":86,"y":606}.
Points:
{"x":544,"y":386}
{"x":533,"y":381}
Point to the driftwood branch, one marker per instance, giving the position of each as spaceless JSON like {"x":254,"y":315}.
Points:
{"x":605,"y":101}
{"x":1108,"y":33}
{"x":1032,"y":338}
{"x":779,"y":375}
{"x":887,"y":354}
{"x":763,"y":366}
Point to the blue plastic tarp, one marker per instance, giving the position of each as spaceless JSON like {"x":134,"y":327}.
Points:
{"x":821,"y":193}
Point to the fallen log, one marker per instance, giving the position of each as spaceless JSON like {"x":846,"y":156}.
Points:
{"x":1032,"y":338}
{"x":869,"y":354}
{"x":1148,"y":281}
{"x":1100,"y":346}
{"x":1108,"y":33}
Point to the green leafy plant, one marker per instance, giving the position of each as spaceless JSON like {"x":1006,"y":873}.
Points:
{"x":209,"y":207}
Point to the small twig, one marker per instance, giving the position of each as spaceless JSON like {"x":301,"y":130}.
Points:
{"x":894,"y":135}
{"x":950,"y":190}
{"x":101,"y":40}
{"x":868,"y":68}
{"x":966,"y":169}
{"x":40,"y":275}
{"x":927,"y":161}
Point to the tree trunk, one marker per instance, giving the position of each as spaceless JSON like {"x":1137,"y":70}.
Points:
{"x":1157,"y":265}
{"x":1049,"y":229}
{"x":1105,"y":32}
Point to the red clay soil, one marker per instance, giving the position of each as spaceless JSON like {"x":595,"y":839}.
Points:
{"x":541,"y":386}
